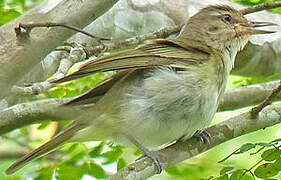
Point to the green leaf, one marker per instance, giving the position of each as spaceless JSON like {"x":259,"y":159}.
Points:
{"x":64,"y":123}
{"x":225,"y":170}
{"x":246,"y":147}
{"x":209,"y":178}
{"x":237,"y":174}
{"x":243,"y":82}
{"x":121,"y":164}
{"x":223,"y":177}
{"x":76,"y":152}
{"x":95,"y":170}
{"x":241,"y":175}
{"x":13,"y":178}
{"x":265,"y":144}
{"x":174,"y":171}
{"x":57,"y":92}
{"x":23,"y":131}
{"x":70,"y":147}
{"x":43,"y":125}
{"x":138,"y":152}
{"x":271,"y":154}
{"x":277,"y":164}
{"x":45,"y":173}
{"x":266,"y":170}
{"x":276,"y":140}
{"x":95,"y":152}
{"x":112,"y":155}
{"x":8,"y":15}
{"x":69,"y":172}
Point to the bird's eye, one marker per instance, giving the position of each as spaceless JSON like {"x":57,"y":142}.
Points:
{"x":227,"y":18}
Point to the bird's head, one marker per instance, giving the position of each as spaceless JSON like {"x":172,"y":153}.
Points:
{"x":221,"y":27}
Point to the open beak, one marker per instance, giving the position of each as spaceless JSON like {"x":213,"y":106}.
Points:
{"x":251,"y":27}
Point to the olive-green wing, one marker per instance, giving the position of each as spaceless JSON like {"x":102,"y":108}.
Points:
{"x":96,"y":93}
{"x":156,"y":53}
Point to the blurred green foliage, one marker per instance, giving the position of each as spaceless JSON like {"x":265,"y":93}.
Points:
{"x":266,"y":167}
{"x":10,"y":9}
{"x":255,"y":2}
{"x":74,"y":88}
{"x":77,"y":160}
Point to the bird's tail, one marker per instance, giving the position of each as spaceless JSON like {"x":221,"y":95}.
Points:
{"x":49,"y":146}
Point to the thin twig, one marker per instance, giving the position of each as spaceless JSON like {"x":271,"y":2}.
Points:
{"x":267,"y":101}
{"x":260,"y":7}
{"x":162,"y":33}
{"x":257,"y":163}
{"x":252,"y":174}
{"x":28,"y":27}
{"x":231,"y":154}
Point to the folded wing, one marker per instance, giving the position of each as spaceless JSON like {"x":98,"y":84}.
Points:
{"x":156,"y":53}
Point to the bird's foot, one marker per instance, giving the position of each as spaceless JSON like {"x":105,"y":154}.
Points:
{"x":153,"y":156}
{"x":203,"y":136}
{"x":147,"y":153}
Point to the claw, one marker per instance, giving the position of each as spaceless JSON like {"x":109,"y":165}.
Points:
{"x":152,"y":155}
{"x":155,"y":160}
{"x":203,"y":135}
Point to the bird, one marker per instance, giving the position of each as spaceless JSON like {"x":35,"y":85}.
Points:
{"x":163,"y":90}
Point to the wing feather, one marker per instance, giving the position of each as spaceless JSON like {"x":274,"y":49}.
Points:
{"x":156,"y":53}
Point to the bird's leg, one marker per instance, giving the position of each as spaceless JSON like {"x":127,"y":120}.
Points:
{"x":203,"y":135}
{"x":146,"y":152}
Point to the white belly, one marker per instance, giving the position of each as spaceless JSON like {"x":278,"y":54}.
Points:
{"x":167,"y":107}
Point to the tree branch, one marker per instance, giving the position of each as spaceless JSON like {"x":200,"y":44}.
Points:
{"x":161,"y":33}
{"x":25,"y":29}
{"x":247,"y":96}
{"x":275,"y":92}
{"x":17,"y":58}
{"x":222,"y":132}
{"x":34,"y":112}
{"x":260,"y":7}
{"x":76,"y":54}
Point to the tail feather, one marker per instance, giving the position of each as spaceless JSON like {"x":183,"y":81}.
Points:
{"x":57,"y":141}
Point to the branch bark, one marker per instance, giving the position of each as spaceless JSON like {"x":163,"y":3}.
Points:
{"x":222,"y":132}
{"x":34,"y":112}
{"x":247,"y":96}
